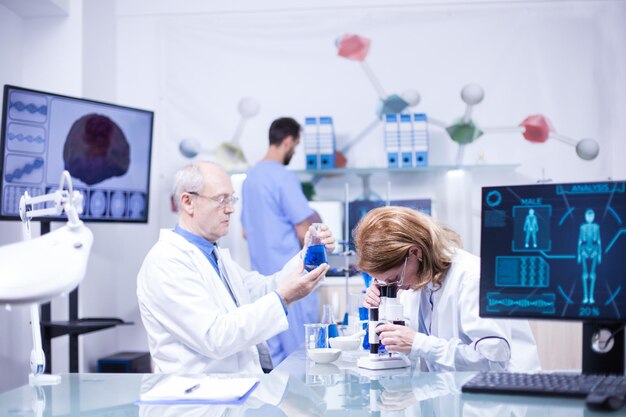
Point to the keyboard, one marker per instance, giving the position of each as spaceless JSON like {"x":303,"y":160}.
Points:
{"x":553,"y":385}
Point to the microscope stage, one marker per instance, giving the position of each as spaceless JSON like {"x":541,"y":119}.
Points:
{"x":383,"y":362}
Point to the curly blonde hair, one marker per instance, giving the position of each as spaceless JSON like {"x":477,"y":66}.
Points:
{"x":384,"y":236}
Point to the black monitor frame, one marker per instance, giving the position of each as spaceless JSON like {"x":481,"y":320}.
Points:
{"x":540,"y":279}
{"x":112,"y":193}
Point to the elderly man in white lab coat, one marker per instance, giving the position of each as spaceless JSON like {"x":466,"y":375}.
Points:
{"x":204,"y":313}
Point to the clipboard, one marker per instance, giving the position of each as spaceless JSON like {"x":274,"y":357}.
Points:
{"x":205,"y":390}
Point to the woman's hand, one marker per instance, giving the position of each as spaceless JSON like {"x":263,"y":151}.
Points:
{"x":396,"y":338}
{"x":372,"y":296}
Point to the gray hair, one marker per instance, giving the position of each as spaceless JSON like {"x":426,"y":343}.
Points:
{"x":188,"y":179}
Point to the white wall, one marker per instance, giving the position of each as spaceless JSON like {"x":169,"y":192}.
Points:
{"x":123,"y":52}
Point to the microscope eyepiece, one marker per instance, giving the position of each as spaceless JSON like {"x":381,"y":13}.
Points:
{"x":392,"y":291}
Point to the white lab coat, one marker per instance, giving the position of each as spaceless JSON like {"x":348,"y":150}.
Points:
{"x":456,"y":328}
{"x":192,"y":322}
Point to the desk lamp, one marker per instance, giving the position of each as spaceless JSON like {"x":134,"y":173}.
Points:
{"x":36,"y":270}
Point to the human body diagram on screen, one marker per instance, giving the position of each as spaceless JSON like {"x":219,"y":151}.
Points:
{"x":545,"y":254}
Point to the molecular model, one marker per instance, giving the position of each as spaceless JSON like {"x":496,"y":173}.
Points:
{"x":228,"y":154}
{"x":535,"y":128}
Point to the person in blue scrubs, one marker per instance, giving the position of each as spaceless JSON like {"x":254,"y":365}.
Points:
{"x":275,"y":217}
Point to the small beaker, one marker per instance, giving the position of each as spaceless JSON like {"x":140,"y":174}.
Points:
{"x":316,"y":250}
{"x":357,"y":310}
{"x":315,"y":336}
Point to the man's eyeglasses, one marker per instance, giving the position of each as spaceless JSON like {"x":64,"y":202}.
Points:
{"x":397,"y":281}
{"x":222,"y":201}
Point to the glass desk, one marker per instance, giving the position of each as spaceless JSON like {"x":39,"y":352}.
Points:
{"x":297,"y":387}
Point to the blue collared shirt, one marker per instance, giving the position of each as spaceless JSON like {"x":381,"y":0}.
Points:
{"x":205,"y":246}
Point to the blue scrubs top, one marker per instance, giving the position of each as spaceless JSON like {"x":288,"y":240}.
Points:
{"x":272,"y":203}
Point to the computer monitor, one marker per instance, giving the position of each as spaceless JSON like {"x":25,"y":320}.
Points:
{"x":558,"y":252}
{"x":357,"y":209}
{"x":105,"y":147}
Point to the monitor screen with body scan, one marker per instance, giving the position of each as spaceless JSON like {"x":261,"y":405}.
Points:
{"x":558,"y":252}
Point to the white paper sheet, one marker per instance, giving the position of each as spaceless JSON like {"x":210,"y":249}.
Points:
{"x":208,"y":389}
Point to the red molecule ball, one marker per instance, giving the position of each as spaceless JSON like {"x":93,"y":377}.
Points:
{"x":537,"y":128}
{"x":353,"y":47}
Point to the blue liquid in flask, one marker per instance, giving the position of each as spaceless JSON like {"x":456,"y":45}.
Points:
{"x":315,"y":256}
{"x":332,"y":330}
{"x":322,"y":340}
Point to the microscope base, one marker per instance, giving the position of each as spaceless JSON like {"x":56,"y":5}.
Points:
{"x":383,"y":362}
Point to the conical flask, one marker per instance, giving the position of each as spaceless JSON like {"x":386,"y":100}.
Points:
{"x":329,"y":318}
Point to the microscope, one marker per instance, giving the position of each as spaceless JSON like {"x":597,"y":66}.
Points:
{"x":389,"y":311}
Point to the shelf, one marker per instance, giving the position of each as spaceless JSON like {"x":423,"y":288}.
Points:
{"x":353,"y":280}
{"x":81,"y":326}
{"x":394,"y":171}
{"x":429,"y":168}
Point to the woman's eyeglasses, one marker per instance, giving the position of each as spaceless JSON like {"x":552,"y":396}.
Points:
{"x":399,"y":279}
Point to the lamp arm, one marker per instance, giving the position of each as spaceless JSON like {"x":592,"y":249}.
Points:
{"x":70,"y":202}
{"x":64,"y":200}
{"x":73,"y":204}
{"x":37,"y":357}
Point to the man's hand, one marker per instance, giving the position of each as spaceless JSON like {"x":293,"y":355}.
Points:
{"x":297,"y":286}
{"x":396,"y":338}
{"x":325,"y":235}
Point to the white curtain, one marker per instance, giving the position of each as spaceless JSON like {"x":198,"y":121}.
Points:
{"x":560,"y":60}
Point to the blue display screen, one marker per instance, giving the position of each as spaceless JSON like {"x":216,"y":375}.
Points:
{"x":359,"y":208}
{"x":554,"y":251}
{"x":105,"y":147}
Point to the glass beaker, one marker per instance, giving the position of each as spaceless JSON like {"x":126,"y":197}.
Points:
{"x":328,"y":318}
{"x":315,"y":336}
{"x":316,"y":250}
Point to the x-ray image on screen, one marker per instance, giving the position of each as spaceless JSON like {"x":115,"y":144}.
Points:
{"x":105,"y":147}
{"x":554,"y":251}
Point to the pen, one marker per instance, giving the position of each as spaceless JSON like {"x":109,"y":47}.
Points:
{"x":192,"y":389}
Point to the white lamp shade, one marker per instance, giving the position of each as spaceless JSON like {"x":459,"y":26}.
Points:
{"x":37,"y":270}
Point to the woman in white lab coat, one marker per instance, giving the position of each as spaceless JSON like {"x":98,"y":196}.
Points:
{"x":398,"y":245}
